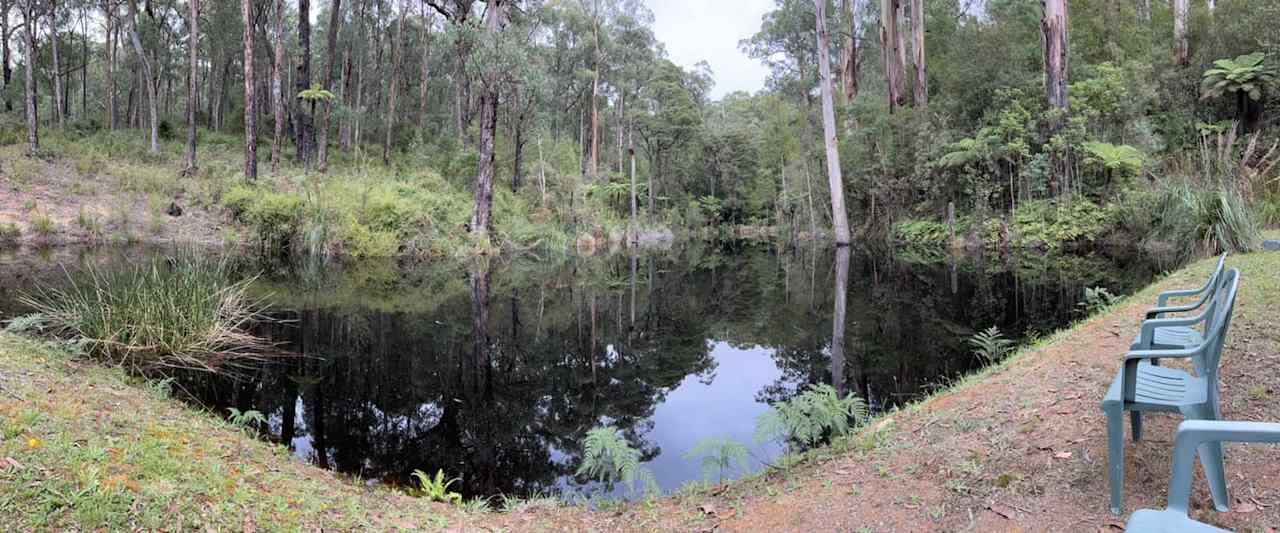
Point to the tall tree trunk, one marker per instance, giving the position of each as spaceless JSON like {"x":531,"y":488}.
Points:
{"x":480,"y":217}
{"x":277,"y":89}
{"x":351,"y":87}
{"x":393,"y":87}
{"x":304,"y":133}
{"x":30,"y":19}
{"x":109,"y":7}
{"x":148,"y":80}
{"x":839,"y":218}
{"x":849,"y":55}
{"x":59,"y":91}
{"x":1181,"y":46}
{"x":250,"y":99}
{"x":84,"y":67}
{"x":593,"y":157}
{"x":5,"y":6}
{"x":917,"y":50}
{"x":193,"y":89}
{"x":841,"y":291}
{"x":635,"y":222}
{"x":426,"y":67}
{"x":1053,"y":44}
{"x":890,"y":42}
{"x":326,"y":107}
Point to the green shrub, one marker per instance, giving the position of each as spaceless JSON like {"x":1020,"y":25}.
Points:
{"x":181,"y":312}
{"x":1049,"y":224}
{"x":275,"y":219}
{"x":1213,"y":220}
{"x":923,"y":233}
{"x":9,"y":233}
{"x":43,"y":226}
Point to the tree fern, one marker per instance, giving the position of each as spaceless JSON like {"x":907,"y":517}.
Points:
{"x":812,"y":416}
{"x":608,"y":457}
{"x":719,"y":455}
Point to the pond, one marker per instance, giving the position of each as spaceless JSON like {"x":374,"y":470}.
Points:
{"x":494,"y":372}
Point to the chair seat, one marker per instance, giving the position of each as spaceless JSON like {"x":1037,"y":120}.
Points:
{"x":1159,"y":387}
{"x":1172,"y":338}
{"x":1166,"y":521}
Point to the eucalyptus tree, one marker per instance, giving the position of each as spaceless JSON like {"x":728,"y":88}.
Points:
{"x":849,"y":52}
{"x":5,"y":31}
{"x":668,"y":119}
{"x":892,"y":52}
{"x":461,"y":32}
{"x":30,"y":18}
{"x":918,"y":53}
{"x":304,"y":134}
{"x":277,"y":86}
{"x":1053,"y":44}
{"x":148,"y":76}
{"x":326,"y":107}
{"x":393,"y":90}
{"x":250,"y":112}
{"x":839,"y":217}
{"x":193,"y":89}
{"x":1181,"y":45}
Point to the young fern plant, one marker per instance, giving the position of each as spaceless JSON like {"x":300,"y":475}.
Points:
{"x":1097,"y":299}
{"x":719,"y":455}
{"x":607,"y":457}
{"x":811,"y":417}
{"x":436,"y":489}
{"x":990,"y":345}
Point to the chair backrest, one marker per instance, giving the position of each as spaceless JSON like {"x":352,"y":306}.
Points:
{"x":1217,"y":282}
{"x":1216,"y":326}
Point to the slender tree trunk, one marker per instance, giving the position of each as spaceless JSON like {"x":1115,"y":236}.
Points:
{"x":889,"y":46}
{"x":59,"y":91}
{"x":849,"y":55}
{"x":480,"y":217}
{"x":109,"y":7}
{"x":635,"y":221}
{"x":84,"y":68}
{"x":426,"y":67}
{"x":1181,"y":45}
{"x":918,"y":52}
{"x":304,"y":133}
{"x":277,"y":89}
{"x":250,"y":114}
{"x":326,"y":107}
{"x":393,"y":87}
{"x":1053,"y":44}
{"x":593,"y":157}
{"x":841,"y":291}
{"x":193,"y":90}
{"x":351,"y":90}
{"x":5,"y":53}
{"x":148,"y":80}
{"x":30,"y":19}
{"x":839,"y":218}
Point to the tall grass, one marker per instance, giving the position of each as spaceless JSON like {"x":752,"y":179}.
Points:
{"x":179,"y":312}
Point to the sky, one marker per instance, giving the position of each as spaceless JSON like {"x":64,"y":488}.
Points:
{"x":698,"y":30}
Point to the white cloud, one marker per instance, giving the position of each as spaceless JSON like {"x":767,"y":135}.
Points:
{"x":698,"y":30}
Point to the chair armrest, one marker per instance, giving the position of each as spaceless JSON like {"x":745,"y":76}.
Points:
{"x":1129,"y":372}
{"x":1193,"y":433}
{"x":1147,"y":334}
{"x":1163,"y":299}
{"x":1158,"y":311}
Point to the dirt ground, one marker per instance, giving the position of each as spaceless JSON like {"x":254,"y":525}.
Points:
{"x":90,"y":202}
{"x":1024,"y":449}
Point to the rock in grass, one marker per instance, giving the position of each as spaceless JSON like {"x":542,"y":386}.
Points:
{"x":174,"y":210}
{"x":1271,"y":246}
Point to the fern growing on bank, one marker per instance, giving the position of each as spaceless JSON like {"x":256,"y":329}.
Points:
{"x":1097,"y":299}
{"x":719,"y":455}
{"x":607,"y":457}
{"x":990,"y":345}
{"x":811,"y":417}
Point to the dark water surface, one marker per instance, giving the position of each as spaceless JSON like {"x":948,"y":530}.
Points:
{"x":495,"y":372}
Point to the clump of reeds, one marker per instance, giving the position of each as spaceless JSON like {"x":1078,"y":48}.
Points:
{"x":184,"y":312}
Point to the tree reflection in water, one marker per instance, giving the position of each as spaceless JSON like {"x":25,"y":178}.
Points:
{"x":494,"y":373}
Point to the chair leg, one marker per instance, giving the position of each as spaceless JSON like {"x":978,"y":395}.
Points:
{"x":1135,"y":419}
{"x":1115,"y":457}
{"x":1215,"y":473}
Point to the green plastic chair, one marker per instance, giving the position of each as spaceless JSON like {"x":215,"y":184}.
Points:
{"x":1160,"y":337}
{"x":1193,"y":435}
{"x":1142,"y":386}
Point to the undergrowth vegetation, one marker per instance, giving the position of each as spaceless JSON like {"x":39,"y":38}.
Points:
{"x":181,"y":312}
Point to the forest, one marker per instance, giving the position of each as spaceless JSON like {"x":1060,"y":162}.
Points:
{"x":428,"y":128}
